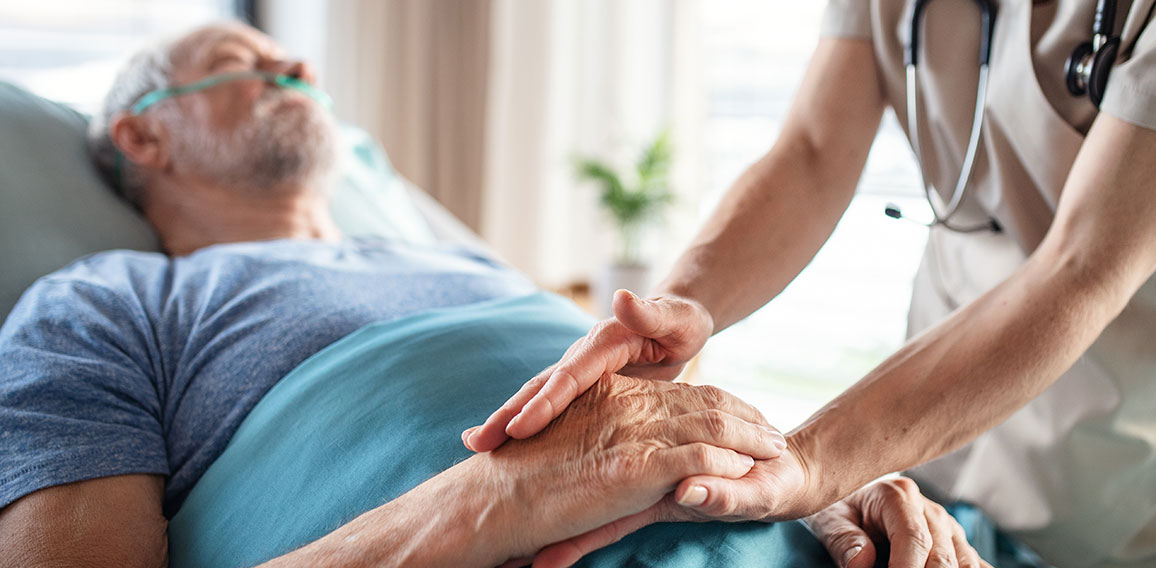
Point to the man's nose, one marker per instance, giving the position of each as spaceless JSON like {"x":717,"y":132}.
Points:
{"x":298,"y":70}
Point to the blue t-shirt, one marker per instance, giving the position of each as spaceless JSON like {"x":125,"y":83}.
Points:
{"x":130,"y":362}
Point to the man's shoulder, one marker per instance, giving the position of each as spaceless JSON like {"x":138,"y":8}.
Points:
{"x":110,"y":268}
{"x":97,"y":280}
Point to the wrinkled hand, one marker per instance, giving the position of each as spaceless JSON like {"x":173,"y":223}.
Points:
{"x":919,"y":531}
{"x":650,"y":339}
{"x":617,"y":451}
{"x":772,"y":490}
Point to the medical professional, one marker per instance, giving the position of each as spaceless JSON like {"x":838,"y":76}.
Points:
{"x":1028,"y":385}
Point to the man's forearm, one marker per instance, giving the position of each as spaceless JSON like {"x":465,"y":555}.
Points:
{"x":450,"y":520}
{"x":963,"y":376}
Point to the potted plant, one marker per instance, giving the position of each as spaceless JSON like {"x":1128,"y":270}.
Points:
{"x":633,"y":200}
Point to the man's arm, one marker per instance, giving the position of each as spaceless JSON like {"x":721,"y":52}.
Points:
{"x":988,"y":359}
{"x":617,"y":452}
{"x":111,"y":521}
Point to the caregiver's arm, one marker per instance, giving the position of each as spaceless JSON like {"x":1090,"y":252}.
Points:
{"x":768,"y":227}
{"x":991,"y":357}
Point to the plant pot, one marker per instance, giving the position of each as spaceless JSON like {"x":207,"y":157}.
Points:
{"x":633,"y":277}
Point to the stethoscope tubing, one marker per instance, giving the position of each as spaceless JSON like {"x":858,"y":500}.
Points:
{"x":987,"y":29}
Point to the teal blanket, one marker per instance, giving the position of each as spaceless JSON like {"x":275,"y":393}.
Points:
{"x":381,"y":411}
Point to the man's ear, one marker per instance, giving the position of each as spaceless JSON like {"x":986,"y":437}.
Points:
{"x":140,"y":140}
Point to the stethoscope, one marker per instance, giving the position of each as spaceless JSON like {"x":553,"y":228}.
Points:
{"x":1086,"y":72}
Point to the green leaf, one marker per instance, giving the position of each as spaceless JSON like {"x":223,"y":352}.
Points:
{"x":654,"y":163}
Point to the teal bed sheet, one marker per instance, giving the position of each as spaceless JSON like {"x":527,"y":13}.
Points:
{"x":381,"y":411}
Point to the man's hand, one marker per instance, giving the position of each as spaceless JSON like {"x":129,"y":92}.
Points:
{"x":651,"y":339}
{"x":919,"y":531}
{"x":618,"y":450}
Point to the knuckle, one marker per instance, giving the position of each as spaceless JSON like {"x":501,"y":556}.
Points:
{"x":702,"y":458}
{"x":601,"y":328}
{"x":941,"y":559}
{"x":713,"y":396}
{"x":716,"y":424}
{"x":627,"y":465}
{"x":904,"y":484}
{"x":897,"y":491}
{"x":919,"y":537}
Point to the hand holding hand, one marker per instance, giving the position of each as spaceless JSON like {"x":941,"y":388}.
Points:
{"x":650,"y":339}
{"x":618,"y":451}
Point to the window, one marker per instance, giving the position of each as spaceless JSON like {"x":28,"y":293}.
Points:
{"x":847,"y":311}
{"x":69,"y":50}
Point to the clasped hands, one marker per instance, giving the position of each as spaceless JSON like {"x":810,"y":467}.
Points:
{"x":661,"y":451}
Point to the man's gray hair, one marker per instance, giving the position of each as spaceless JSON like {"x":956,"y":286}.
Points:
{"x":147,"y":70}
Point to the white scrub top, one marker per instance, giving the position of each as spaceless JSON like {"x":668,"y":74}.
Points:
{"x":1073,"y":473}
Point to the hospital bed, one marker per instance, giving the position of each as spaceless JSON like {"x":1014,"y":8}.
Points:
{"x":54,"y":209}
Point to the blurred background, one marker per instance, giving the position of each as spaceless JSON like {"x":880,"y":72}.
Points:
{"x":490,"y":105}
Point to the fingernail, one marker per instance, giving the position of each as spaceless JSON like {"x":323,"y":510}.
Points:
{"x":466,"y":436}
{"x":778,"y":440}
{"x":693,"y":497}
{"x":850,"y":555}
{"x":748,"y":461}
{"x":514,"y":422}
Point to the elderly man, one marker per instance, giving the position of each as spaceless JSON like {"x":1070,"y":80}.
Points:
{"x":124,"y":376}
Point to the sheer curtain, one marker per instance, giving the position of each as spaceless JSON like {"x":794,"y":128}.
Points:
{"x":411,"y":72}
{"x":485,"y":103}
{"x":598,"y":78}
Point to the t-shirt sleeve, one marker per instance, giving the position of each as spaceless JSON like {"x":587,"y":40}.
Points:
{"x":77,"y":400}
{"x":847,"y":18}
{"x":1131,"y":92}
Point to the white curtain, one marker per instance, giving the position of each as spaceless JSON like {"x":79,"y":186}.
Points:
{"x":562,"y":78}
{"x":594,"y":78}
{"x":411,"y":72}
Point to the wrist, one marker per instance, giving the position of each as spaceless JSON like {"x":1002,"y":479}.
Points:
{"x":818,"y":490}
{"x":834,"y":457}
{"x":453,"y":519}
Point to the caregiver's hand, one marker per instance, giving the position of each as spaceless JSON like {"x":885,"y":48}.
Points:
{"x":919,"y":531}
{"x":651,"y":339}
{"x":616,"y":452}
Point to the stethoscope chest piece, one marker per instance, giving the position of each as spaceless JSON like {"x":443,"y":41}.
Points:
{"x":1086,"y":70}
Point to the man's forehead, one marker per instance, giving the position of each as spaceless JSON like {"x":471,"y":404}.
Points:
{"x":200,"y":44}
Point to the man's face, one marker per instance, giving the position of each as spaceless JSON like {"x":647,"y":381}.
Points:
{"x":245,"y":133}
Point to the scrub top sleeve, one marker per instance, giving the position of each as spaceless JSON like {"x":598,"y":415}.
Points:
{"x":1131,"y":92}
{"x":847,"y":18}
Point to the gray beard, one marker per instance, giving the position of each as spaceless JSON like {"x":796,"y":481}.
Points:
{"x":277,"y":147}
